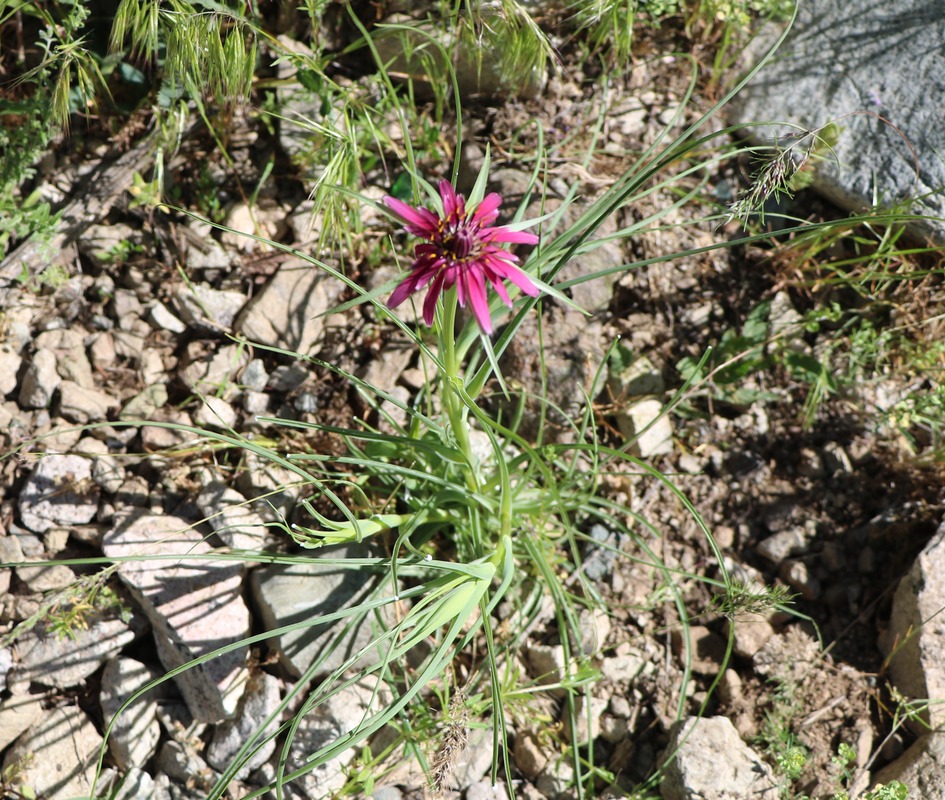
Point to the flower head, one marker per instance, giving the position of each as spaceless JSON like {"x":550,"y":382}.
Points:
{"x":459,"y":249}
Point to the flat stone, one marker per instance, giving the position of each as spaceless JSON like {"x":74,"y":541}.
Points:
{"x":194,"y":605}
{"x":82,"y":404}
{"x":287,"y":313}
{"x":921,"y":768}
{"x":135,"y":732}
{"x":59,"y":492}
{"x":204,"y":307}
{"x":852,"y":63}
{"x":40,"y":381}
{"x":293,"y":593}
{"x":915,"y":638}
{"x":259,"y":701}
{"x":710,"y":761}
{"x":57,"y":755}
{"x":50,"y":659}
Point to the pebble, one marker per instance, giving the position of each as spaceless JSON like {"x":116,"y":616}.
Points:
{"x":10,"y":362}
{"x":328,"y":721}
{"x":205,"y":308}
{"x":650,"y":429}
{"x":216,"y":414}
{"x":163,"y":319}
{"x":709,"y":759}
{"x":798,"y":576}
{"x":59,"y":491}
{"x":17,"y":714}
{"x":780,"y":546}
{"x":260,"y":701}
{"x":40,"y":381}
{"x":706,"y":649}
{"x":255,"y":377}
{"x":232,"y":517}
{"x":83,"y":405}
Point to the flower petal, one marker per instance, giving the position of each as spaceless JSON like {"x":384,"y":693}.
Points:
{"x":433,"y":294}
{"x":512,"y":273}
{"x":502,"y":234}
{"x":452,"y":202}
{"x":418,"y":221}
{"x":487,"y":211}
{"x":476,"y":288}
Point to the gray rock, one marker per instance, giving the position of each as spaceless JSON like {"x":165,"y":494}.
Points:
{"x":784,"y":544}
{"x":294,"y":593}
{"x":638,"y":378}
{"x":287,"y":313}
{"x":49,"y":659}
{"x":135,"y":732}
{"x":144,"y":404}
{"x":161,"y":317}
{"x":255,"y":377}
{"x":546,"y":663}
{"x":10,"y":362}
{"x":40,"y":381}
{"x":208,"y":370}
{"x":68,"y":345}
{"x":180,"y":763}
{"x":266,"y":219}
{"x":585,"y":713}
{"x":45,"y":578}
{"x":17,"y":714}
{"x":194,"y":605}
{"x":276,"y":488}
{"x":331,"y":719}
{"x":57,"y":755}
{"x":136,"y":784}
{"x":853,"y":62}
{"x":106,"y":244}
{"x":127,"y":308}
{"x":232,"y":517}
{"x":259,"y":701}
{"x":711,"y":762}
{"x":59,"y":492}
{"x":205,"y":308}
{"x":215,"y":413}
{"x":648,"y":427}
{"x":921,"y":768}
{"x":913,"y":640}
{"x":82,"y":404}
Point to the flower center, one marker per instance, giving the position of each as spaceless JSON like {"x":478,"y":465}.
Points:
{"x":459,"y":241}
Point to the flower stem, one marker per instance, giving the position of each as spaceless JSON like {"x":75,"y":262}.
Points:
{"x":453,"y":404}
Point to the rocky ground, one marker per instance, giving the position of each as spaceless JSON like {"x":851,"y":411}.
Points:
{"x":134,"y":322}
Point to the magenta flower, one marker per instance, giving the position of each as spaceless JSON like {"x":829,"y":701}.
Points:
{"x":460,"y":250}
